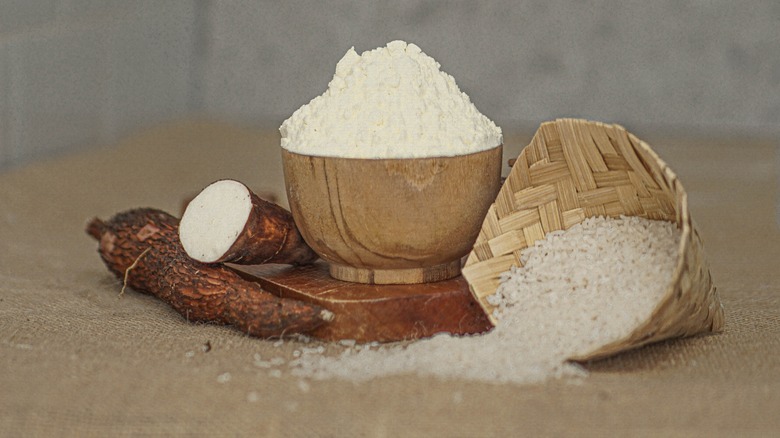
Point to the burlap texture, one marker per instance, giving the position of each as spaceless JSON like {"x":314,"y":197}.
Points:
{"x":76,"y":360}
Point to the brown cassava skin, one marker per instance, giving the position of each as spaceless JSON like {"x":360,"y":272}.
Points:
{"x":142,"y":248}
{"x":269,"y":236}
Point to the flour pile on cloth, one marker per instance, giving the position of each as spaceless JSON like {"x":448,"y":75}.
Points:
{"x":578,"y":289}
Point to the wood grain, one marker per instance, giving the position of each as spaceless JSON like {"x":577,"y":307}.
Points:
{"x":382,"y":313}
{"x":392,"y":220}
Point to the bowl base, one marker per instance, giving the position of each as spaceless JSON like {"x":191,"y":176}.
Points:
{"x":427,"y":274}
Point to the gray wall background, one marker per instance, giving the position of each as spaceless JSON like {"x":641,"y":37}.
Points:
{"x":77,"y":73}
{"x":700,"y":64}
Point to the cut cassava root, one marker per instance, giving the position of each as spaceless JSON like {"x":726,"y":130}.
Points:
{"x":142,"y":248}
{"x":226,"y":222}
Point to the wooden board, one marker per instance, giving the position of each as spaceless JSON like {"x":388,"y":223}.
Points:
{"x":383,"y":313}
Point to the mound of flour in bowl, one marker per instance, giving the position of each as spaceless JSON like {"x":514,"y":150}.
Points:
{"x":390,"y":102}
{"x":578,"y":289}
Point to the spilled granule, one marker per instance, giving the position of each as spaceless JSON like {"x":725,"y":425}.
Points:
{"x":578,"y":290}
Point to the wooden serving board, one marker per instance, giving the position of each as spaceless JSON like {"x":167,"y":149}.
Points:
{"x":382,"y":313}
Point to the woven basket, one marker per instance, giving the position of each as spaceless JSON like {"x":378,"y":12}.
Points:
{"x":575,"y":169}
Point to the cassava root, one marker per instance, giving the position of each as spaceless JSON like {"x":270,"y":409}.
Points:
{"x":227,"y":222}
{"x":142,"y":248}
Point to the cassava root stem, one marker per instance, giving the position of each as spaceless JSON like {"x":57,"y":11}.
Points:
{"x":147,"y":240}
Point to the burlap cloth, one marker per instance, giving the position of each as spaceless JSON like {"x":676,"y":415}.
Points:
{"x":76,"y":360}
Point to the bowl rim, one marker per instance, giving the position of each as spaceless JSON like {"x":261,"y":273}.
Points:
{"x":400,"y":159}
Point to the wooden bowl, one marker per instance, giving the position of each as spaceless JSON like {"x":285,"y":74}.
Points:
{"x":392,"y":221}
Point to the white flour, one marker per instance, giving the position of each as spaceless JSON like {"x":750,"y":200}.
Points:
{"x":391,"y":102}
{"x":578,"y":290}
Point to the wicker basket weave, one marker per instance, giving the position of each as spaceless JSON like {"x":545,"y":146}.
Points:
{"x":575,"y":169}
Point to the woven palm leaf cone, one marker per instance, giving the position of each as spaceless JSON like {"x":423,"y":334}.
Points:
{"x":575,"y":169}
